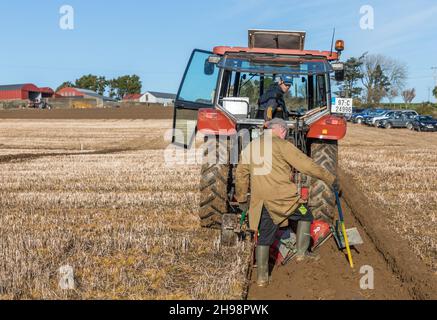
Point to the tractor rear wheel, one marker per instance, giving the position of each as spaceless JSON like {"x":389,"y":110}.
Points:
{"x":214,"y":184}
{"x":322,"y":198}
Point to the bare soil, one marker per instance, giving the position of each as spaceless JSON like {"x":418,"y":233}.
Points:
{"x":151,"y":112}
{"x":331,"y":278}
{"x":395,"y":250}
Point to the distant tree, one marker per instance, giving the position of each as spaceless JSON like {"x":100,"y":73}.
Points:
{"x":353,"y":74}
{"x":434,"y":92}
{"x":409,"y":95}
{"x":121,"y":86}
{"x":381,"y":85}
{"x":92,"y":82}
{"x":381,"y":74}
{"x":66,"y":84}
{"x":392,"y":94}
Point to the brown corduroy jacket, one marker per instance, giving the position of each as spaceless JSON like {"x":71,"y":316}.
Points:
{"x":266,"y":169}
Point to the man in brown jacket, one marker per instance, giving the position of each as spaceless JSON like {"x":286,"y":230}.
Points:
{"x":267,"y":166}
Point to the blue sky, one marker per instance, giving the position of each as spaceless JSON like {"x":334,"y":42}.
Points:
{"x":154,"y":38}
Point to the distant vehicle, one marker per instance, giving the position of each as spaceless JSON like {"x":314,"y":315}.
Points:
{"x":386,"y":115}
{"x":39,"y":104}
{"x":390,"y":113}
{"x":399,"y":120}
{"x":350,"y":116}
{"x":423,"y":123}
{"x":372,"y":114}
{"x":359,"y":117}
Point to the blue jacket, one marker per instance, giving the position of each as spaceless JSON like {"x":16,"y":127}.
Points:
{"x":272,"y":101}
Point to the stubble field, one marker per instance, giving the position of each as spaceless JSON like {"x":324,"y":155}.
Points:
{"x":397,"y":170}
{"x":99,"y":197}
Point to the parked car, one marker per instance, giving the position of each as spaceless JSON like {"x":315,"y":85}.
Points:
{"x":423,"y":123}
{"x":390,"y":113}
{"x":398,"y":120}
{"x":358,"y":114}
{"x":374,"y":113}
{"x":349,"y":116}
{"x":386,"y":115}
{"x":410,"y":113}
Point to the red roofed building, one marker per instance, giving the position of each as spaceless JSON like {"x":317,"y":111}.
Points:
{"x":26,"y":91}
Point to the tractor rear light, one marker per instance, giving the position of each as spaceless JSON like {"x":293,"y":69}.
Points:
{"x":208,"y":114}
{"x":211,"y":116}
{"x":329,"y":127}
{"x":334,"y":122}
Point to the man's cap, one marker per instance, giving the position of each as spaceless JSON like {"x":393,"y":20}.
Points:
{"x":278,"y":122}
{"x":288,"y":80}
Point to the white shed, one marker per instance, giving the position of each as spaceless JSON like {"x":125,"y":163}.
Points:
{"x":166,"y":99}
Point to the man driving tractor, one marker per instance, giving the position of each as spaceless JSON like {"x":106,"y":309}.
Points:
{"x":274,"y":196}
{"x":272,"y":102}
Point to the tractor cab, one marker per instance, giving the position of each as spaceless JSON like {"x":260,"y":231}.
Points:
{"x":222,"y":90}
{"x":221,"y":96}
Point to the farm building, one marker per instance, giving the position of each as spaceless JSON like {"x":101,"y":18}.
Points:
{"x":26,"y":91}
{"x":158,"y":97}
{"x":132,"y":97}
{"x":82,"y":93}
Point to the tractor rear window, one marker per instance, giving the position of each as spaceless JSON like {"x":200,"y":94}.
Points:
{"x":306,"y":92}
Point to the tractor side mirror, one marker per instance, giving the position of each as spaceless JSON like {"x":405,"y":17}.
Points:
{"x":339,"y":76}
{"x":209,"y":68}
{"x":338,"y":68}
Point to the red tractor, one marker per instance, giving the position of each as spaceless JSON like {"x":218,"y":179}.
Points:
{"x":220,"y":97}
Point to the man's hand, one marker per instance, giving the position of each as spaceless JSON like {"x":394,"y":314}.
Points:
{"x":336,"y":186}
{"x":244,"y":206}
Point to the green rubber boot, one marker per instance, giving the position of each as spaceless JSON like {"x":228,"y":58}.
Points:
{"x":262,"y":261}
{"x":304,"y":242}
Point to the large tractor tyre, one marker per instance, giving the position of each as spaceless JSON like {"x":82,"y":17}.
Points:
{"x":322,"y":199}
{"x":214,"y":185}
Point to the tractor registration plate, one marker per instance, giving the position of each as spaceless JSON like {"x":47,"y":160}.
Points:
{"x":342,"y":105}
